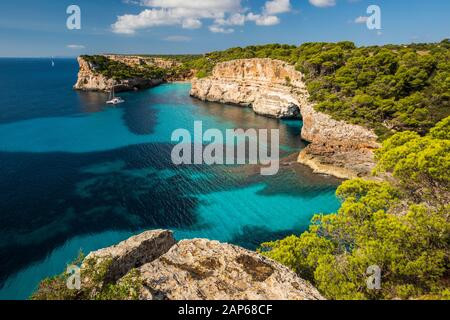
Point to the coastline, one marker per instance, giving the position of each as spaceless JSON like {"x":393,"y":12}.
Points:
{"x":319,"y":167}
{"x":107,"y":169}
{"x":337,"y":148}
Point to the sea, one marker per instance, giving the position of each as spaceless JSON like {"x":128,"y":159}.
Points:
{"x":77,"y":174}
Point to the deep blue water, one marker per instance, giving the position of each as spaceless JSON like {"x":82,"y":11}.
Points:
{"x":76,"y":174}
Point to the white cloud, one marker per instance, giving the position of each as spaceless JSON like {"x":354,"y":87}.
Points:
{"x":219,"y":29}
{"x":277,"y":6}
{"x":191,"y":15}
{"x":361,"y":19}
{"x":263,"y":20}
{"x":191,"y":23}
{"x":323,"y":3}
{"x":187,"y":14}
{"x":186,"y":18}
{"x":217,"y":5}
{"x":75,"y":46}
{"x":178,"y":39}
{"x":236,"y":19}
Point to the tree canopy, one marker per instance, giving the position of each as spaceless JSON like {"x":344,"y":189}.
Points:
{"x":402,"y":227}
{"x":390,"y":88}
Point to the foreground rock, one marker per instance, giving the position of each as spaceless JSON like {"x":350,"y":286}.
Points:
{"x":133,"y":253}
{"x":197,"y":270}
{"x":274,"y":88}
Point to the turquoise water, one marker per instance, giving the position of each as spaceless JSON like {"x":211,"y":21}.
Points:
{"x":77,"y":174}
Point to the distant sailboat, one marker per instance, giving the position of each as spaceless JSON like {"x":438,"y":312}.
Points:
{"x":53,"y":62}
{"x":113,"y":99}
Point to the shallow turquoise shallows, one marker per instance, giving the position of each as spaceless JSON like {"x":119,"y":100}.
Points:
{"x":77,"y":174}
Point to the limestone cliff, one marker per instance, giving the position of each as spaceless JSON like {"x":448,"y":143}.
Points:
{"x":263,"y":84}
{"x":275,"y":88}
{"x":337,"y":148}
{"x":194,"y":270}
{"x":89,"y":79}
{"x":138,"y":60}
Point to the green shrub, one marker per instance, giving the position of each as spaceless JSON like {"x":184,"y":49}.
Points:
{"x":402,"y":87}
{"x":93,"y":285}
{"x":411,"y":250}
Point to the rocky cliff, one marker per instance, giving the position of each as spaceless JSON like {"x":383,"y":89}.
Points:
{"x":133,"y":61}
{"x":274,"y":88}
{"x":162,"y":269}
{"x":262,"y":84}
{"x":89,"y":79}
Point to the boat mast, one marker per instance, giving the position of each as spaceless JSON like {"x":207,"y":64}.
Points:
{"x":111,"y":93}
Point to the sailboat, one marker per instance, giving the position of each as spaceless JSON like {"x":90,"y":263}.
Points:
{"x":113,"y":99}
{"x":53,"y":62}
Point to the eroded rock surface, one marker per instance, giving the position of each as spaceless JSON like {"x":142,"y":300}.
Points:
{"x":276,"y":89}
{"x":91,"y":80}
{"x":133,"y":253}
{"x":337,"y":148}
{"x":201,"y":269}
{"x":263,"y":84}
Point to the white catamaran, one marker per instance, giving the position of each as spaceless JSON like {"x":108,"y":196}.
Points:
{"x":113,"y":99}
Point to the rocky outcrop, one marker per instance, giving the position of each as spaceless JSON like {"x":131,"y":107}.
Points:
{"x":198,"y":269}
{"x":134,"y":252}
{"x":337,"y":148}
{"x":275,"y":88}
{"x":263,"y":84}
{"x":88,"y":79}
{"x":91,"y":80}
{"x":133,"y":61}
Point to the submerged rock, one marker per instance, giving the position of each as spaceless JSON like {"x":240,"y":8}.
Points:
{"x":197,"y":269}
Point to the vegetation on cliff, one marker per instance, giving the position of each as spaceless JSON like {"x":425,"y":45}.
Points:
{"x":93,"y":286}
{"x":120,"y":71}
{"x":403,"y":227}
{"x":117,"y":70}
{"x":390,"y":88}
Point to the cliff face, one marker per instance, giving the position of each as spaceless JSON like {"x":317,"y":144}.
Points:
{"x":275,"y":88}
{"x":337,"y":148}
{"x":196,"y":270}
{"x":90,"y":80}
{"x":137,"y":60}
{"x":262,"y":84}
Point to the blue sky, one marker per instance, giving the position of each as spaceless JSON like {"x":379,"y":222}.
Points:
{"x":38,"y":27}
